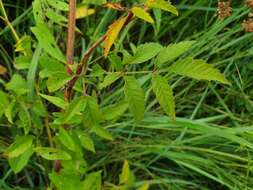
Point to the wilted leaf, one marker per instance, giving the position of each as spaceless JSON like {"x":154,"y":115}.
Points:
{"x":3,"y":70}
{"x":116,"y":6}
{"x":112,"y":34}
{"x":84,"y":11}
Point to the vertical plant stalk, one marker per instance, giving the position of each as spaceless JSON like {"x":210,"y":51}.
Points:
{"x":6,"y":20}
{"x":71,"y":36}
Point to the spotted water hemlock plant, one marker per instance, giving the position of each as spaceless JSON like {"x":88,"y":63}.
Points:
{"x":52,"y":102}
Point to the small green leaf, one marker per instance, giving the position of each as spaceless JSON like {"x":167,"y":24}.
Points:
{"x":86,"y":142}
{"x":21,"y":145}
{"x":92,"y":181}
{"x":57,"y":81}
{"x":57,"y":4}
{"x":66,"y":139}
{"x":56,"y":101}
{"x":198,"y":69}
{"x":142,"y":14}
{"x":47,"y":41}
{"x":9,"y":111}
{"x":4,"y":102}
{"x":145,"y":52}
{"x":55,"y":17}
{"x":75,"y":108}
{"x":114,"y":111}
{"x":164,"y":95}
{"x":172,"y":52}
{"x":162,"y":4}
{"x":109,"y":79}
{"x":101,"y":132}
{"x":52,"y":153}
{"x":92,"y":114}
{"x":125,"y":174}
{"x":17,"y":85}
{"x":145,"y":186}
{"x":18,"y":163}
{"x":135,"y":97}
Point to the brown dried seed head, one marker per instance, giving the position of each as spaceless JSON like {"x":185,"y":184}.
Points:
{"x":224,"y":9}
{"x":249,"y":3}
{"x":248,"y":25}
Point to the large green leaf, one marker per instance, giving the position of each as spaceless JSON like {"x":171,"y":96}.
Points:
{"x":57,"y":81}
{"x":56,"y":101}
{"x":109,"y":79}
{"x":92,"y":114}
{"x":47,"y":41}
{"x":18,"y":163}
{"x":164,"y":95}
{"x":17,"y":85}
{"x":145,"y":52}
{"x":198,"y":69}
{"x":66,"y":139}
{"x":52,"y":153}
{"x":142,"y":14}
{"x":162,"y":4}
{"x":135,"y":97}
{"x":4,"y":102}
{"x":21,"y":145}
{"x":173,"y":51}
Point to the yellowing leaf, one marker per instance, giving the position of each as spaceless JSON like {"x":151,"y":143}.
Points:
{"x":3,"y":70}
{"x":125,"y":174}
{"x":142,"y":14}
{"x":112,"y":34}
{"x":84,"y":11}
{"x":162,"y":4}
{"x":115,"y":6}
{"x":145,"y":186}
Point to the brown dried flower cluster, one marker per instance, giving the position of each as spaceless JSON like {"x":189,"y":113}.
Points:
{"x":249,"y":3}
{"x":224,"y":9}
{"x":248,"y":24}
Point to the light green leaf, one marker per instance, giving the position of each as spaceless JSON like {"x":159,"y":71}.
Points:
{"x":198,"y":69}
{"x":92,"y":181}
{"x":92,"y":113}
{"x":125,"y":174}
{"x":57,"y":81}
{"x":52,"y":153}
{"x":56,"y":101}
{"x":18,"y":163}
{"x":142,"y":14}
{"x":135,"y":97}
{"x":4,"y":102}
{"x":47,"y":41}
{"x":172,"y":52}
{"x":75,"y":108}
{"x":164,"y":95}
{"x":114,"y":111}
{"x":145,"y":52}
{"x":17,"y":85}
{"x":66,"y":139}
{"x":109,"y":79}
{"x":58,"y":4}
{"x":102,"y":132}
{"x":9,"y":111}
{"x":162,"y":4}
{"x":55,"y":17}
{"x":21,"y":145}
{"x":145,"y":186}
{"x":86,"y":142}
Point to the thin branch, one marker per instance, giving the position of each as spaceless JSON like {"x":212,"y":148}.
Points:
{"x":82,"y":65}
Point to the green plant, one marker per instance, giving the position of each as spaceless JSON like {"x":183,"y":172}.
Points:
{"x":53,"y":109}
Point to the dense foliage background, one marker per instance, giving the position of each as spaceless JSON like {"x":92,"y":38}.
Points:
{"x":209,"y":146}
